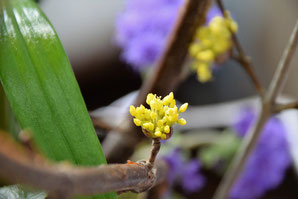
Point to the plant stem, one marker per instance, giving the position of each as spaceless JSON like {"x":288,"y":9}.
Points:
{"x":242,"y":58}
{"x":282,"y":107}
{"x":66,"y":180}
{"x":281,"y":74}
{"x":154,"y":151}
{"x":268,"y":107}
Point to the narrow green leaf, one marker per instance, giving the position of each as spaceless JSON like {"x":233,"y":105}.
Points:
{"x":41,"y":87}
{"x":7,"y":119}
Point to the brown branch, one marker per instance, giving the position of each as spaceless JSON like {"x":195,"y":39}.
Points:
{"x":268,"y":107}
{"x":166,"y":77}
{"x":19,"y":165}
{"x":99,"y":123}
{"x":282,"y":107}
{"x":154,"y":151}
{"x":242,"y":58}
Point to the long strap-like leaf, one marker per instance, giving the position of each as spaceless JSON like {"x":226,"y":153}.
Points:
{"x":41,"y":87}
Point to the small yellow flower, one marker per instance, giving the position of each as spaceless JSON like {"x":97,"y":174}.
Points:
{"x":163,"y":113}
{"x":210,"y":42}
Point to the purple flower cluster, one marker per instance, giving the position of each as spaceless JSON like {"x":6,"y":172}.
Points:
{"x":142,"y":29}
{"x":186,"y":172}
{"x":265,"y":168}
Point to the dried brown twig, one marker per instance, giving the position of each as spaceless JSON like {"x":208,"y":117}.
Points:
{"x":19,"y":165}
{"x":243,"y":59}
{"x":166,"y":77}
{"x":268,"y":108}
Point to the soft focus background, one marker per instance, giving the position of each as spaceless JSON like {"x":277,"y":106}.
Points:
{"x":87,"y":29}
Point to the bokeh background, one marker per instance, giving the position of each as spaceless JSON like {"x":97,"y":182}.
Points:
{"x":87,"y":28}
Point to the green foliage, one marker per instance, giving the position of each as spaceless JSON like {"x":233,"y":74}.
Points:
{"x":17,"y":192}
{"x":222,"y":151}
{"x":41,"y":88}
{"x":7,"y":118}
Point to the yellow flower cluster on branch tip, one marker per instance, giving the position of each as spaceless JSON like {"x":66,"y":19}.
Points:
{"x":162,"y":115}
{"x":210,"y":42}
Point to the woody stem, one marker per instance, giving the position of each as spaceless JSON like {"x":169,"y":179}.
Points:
{"x":154,"y":151}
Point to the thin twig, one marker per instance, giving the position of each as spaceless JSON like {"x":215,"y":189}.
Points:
{"x":166,"y":77}
{"x":281,"y":107}
{"x":281,"y":74}
{"x":19,"y":165}
{"x":242,"y":58}
{"x":268,"y":107}
{"x":154,"y":151}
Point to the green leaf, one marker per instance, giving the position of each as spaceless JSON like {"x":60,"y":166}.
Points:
{"x":7,"y":118}
{"x":17,"y":192}
{"x":41,"y":87}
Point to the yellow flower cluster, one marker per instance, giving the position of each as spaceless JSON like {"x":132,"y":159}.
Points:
{"x":157,"y":121}
{"x":210,"y":42}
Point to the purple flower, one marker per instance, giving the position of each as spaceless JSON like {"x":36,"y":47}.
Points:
{"x":175,"y":163}
{"x":186,"y":172}
{"x":192,"y":180}
{"x":245,"y":122}
{"x":265,"y":168}
{"x":142,"y":30}
{"x":143,"y":27}
{"x":143,"y":49}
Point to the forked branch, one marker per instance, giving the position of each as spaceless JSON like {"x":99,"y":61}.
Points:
{"x":268,"y":108}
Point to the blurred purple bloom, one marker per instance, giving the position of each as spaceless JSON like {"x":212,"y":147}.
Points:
{"x":175,"y":162}
{"x":192,"y":180}
{"x":265,"y":168}
{"x":188,"y":173}
{"x":143,"y":49}
{"x":245,"y":122}
{"x":142,"y":29}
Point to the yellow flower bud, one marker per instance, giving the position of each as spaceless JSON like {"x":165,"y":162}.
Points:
{"x":160,"y":123}
{"x":153,"y":115}
{"x":204,"y":73}
{"x":171,"y":96}
{"x":163,"y":136}
{"x":210,"y":42}
{"x":194,"y":49}
{"x":182,"y":121}
{"x":150,"y":97}
{"x":137,"y":122}
{"x":206,"y":55}
{"x":157,"y":121}
{"x":173,"y":104}
{"x":183,"y":107}
{"x":157,"y":134}
{"x":167,"y":129}
{"x":132,"y":110}
{"x":148,"y":126}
